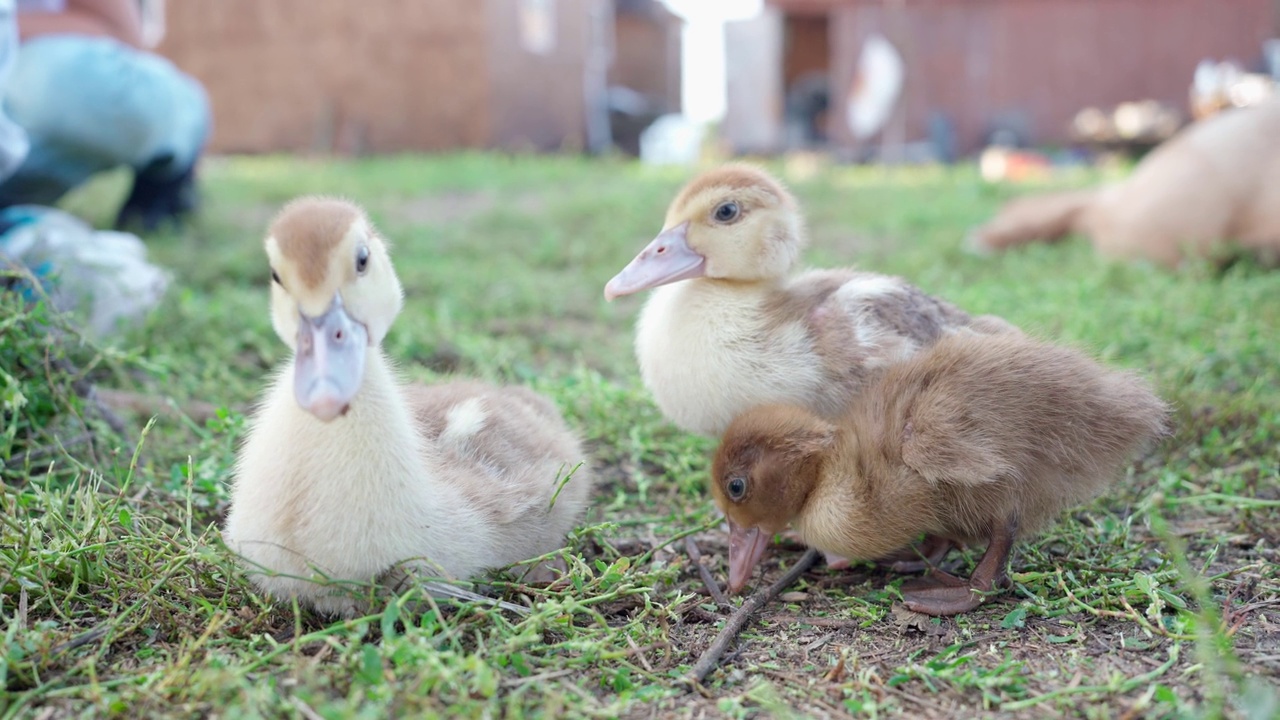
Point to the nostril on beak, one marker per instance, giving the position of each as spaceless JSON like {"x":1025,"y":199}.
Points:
{"x":337,"y":335}
{"x":662,"y":249}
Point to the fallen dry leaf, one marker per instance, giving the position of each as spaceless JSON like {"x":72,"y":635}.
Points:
{"x":910,"y":620}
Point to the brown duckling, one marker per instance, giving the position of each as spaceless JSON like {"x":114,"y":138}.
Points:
{"x":973,"y":439}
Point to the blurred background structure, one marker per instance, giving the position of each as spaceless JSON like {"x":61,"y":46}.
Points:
{"x":896,"y":80}
{"x":401,"y":75}
{"x":1014,"y":70}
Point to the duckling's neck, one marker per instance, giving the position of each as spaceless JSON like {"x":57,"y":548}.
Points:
{"x":855,"y":512}
{"x":372,"y":456}
{"x":724,"y":287}
{"x":709,"y":350}
{"x":711,"y":300}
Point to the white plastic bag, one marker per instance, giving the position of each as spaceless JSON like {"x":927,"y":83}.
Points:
{"x":101,"y":277}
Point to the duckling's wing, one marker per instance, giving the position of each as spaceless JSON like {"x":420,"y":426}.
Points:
{"x":506,"y":450}
{"x":512,"y":496}
{"x":500,"y":476}
{"x":866,"y":319}
{"x":945,"y":443}
{"x":882,"y":307}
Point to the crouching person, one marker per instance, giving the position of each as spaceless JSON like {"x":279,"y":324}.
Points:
{"x":91,"y":98}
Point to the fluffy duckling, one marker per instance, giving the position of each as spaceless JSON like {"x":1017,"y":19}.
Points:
{"x":728,"y":327}
{"x":347,"y":471}
{"x":975,"y":439}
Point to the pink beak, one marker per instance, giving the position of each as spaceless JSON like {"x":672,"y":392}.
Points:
{"x":666,"y":259}
{"x":746,"y":547}
{"x":329,"y":362}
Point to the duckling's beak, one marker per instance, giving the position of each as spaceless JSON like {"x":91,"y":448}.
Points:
{"x":746,"y":547}
{"x":666,"y":259}
{"x":330,"y":361}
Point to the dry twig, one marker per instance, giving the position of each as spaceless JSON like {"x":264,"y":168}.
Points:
{"x":83,"y":638}
{"x":711,"y":657}
{"x":828,"y":622}
{"x":38,"y":452}
{"x":149,"y":405}
{"x":713,"y":587}
{"x":86,"y":390}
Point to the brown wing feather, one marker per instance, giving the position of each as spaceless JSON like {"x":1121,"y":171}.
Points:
{"x":943,"y":442}
{"x":507,"y":467}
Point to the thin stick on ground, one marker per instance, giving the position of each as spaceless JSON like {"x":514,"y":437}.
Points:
{"x":713,"y":587}
{"x":829,"y":622}
{"x":87,"y":391}
{"x":711,"y":657}
{"x":148,"y":405}
{"x":38,"y":452}
{"x":83,"y":638}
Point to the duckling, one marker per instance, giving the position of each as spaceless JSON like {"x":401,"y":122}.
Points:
{"x":728,"y":326}
{"x":347,"y":471}
{"x":973,"y":439}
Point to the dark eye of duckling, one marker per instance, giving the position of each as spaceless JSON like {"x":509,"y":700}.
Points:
{"x":275,"y":277}
{"x":727,"y":212}
{"x":362,"y":259}
{"x":737,"y":487}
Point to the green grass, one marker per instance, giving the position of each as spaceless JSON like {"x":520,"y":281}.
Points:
{"x":1161,"y":599}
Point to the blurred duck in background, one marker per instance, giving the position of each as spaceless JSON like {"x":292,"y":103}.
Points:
{"x":1211,"y":192}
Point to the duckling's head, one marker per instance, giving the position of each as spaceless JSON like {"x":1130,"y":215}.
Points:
{"x":334,"y":294}
{"x":767,"y":464}
{"x":733,"y":223}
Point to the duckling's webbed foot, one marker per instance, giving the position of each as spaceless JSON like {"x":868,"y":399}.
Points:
{"x":926,"y":554}
{"x":940,"y":593}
